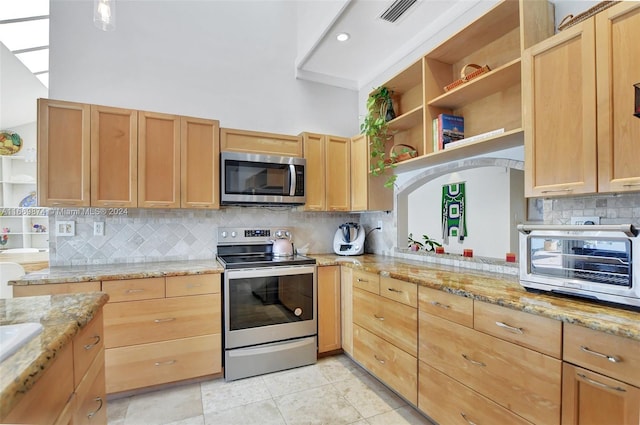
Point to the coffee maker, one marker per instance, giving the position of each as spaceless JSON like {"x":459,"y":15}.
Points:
{"x":349,"y":239}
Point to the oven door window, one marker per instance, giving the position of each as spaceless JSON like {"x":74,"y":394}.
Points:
{"x":269,"y":300}
{"x":256,"y":178}
{"x":596,"y":260}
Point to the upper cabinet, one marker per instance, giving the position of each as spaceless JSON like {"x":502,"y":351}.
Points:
{"x":367,"y":191}
{"x":91,"y":155}
{"x":63,"y":153}
{"x":199,"y":158}
{"x":490,"y":103}
{"x":315,"y":152}
{"x":580,"y":132}
{"x":158,"y":160}
{"x":114,"y":157}
{"x":232,"y":140}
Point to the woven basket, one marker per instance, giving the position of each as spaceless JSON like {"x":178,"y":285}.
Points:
{"x":401,"y":154}
{"x":478,"y":70}
{"x":571,"y":20}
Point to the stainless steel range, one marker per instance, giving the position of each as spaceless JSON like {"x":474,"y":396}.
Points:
{"x":270,"y":307}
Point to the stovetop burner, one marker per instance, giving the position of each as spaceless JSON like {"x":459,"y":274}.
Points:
{"x":240,"y":248}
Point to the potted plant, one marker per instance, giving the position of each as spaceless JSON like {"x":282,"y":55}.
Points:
{"x":428,"y":244}
{"x":375,"y":126}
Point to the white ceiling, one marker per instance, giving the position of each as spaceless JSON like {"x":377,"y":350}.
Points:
{"x":375,"y":44}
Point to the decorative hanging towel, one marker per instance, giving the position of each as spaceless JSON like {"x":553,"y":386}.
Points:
{"x":453,"y":212}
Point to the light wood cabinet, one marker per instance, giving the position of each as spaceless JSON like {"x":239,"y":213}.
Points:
{"x":161,"y":330}
{"x":315,"y":152}
{"x":328,"y":309}
{"x":199,"y":163}
{"x":346,"y":309}
{"x":367,"y":191}
{"x":114,"y":157}
{"x":591,"y":398}
{"x":63,"y":153}
{"x":233,"y":140}
{"x":447,"y":306}
{"x":72,"y":389}
{"x":158,"y":160}
{"x":580,"y":132}
{"x":55,"y":288}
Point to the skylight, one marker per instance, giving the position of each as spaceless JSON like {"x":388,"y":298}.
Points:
{"x":24,"y":29}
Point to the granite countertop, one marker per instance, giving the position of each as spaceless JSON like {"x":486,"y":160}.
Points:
{"x":498,"y":289}
{"x":62,"y":317}
{"x":118,"y":271}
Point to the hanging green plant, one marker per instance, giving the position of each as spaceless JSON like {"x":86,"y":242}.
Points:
{"x":375,"y":126}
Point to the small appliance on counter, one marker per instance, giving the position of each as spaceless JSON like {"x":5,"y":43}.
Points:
{"x":349,"y":239}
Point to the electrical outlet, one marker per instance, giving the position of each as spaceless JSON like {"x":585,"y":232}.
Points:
{"x":98,"y":228}
{"x":379,"y":225}
{"x":585,"y":220}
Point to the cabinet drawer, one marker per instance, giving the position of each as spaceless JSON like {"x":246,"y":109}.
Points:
{"x":140,"y":322}
{"x":536,"y":332}
{"x":448,"y":306}
{"x":367,"y":281}
{"x":134,"y":289}
{"x":597,"y":351}
{"x":55,"y":288}
{"x":178,"y":286}
{"x":91,"y":395}
{"x":399,"y":290}
{"x":390,"y":320}
{"x":522,"y":380}
{"x":449,"y":402}
{"x":86,"y":347}
{"x":144,"y":365}
{"x":46,"y":400}
{"x":393,"y":366}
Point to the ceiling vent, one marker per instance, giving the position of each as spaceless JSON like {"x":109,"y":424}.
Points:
{"x":396,"y":10}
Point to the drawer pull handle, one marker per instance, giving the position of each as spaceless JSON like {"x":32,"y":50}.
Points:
{"x":167,"y":363}
{"x":437,"y":304}
{"x":612,"y":359}
{"x":93,"y":344}
{"x":194,"y":285}
{"x":134,"y":291}
{"x":92,"y":414}
{"x":475,"y":362}
{"x":464,"y":416}
{"x":631,"y":185}
{"x":512,"y":329}
{"x":376,"y":357}
{"x":381,"y":318}
{"x":166,"y":319}
{"x":557,"y":190}
{"x":362,"y":280}
{"x":397,"y":291}
{"x":600,"y":384}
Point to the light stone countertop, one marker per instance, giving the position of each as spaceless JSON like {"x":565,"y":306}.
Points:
{"x":62,"y":317}
{"x":497,"y":289}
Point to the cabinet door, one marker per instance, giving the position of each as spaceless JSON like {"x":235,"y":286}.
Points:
{"x":328,"y":308}
{"x":618,"y":69}
{"x":589,"y":398}
{"x":559,"y":102}
{"x":315,"y":154}
{"x":200,"y":159}
{"x":338,"y":176}
{"x":114,"y":157}
{"x":158,"y":160}
{"x":63,"y":153}
{"x":346,"y":300}
{"x":359,"y":173}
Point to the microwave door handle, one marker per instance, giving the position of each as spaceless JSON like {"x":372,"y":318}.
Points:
{"x":292,"y":179}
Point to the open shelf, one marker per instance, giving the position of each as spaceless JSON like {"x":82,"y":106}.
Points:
{"x":407,"y":120}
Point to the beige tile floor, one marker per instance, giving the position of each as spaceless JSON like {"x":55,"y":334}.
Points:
{"x":333,"y":391}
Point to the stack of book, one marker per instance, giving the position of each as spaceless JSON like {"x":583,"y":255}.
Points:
{"x":447,"y":129}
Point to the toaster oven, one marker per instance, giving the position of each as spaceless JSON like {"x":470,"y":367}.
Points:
{"x":595,"y":262}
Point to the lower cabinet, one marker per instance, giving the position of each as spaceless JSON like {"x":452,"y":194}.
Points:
{"x":346,"y":310}
{"x":328,"y":309}
{"x":174,"y":335}
{"x":72,"y":390}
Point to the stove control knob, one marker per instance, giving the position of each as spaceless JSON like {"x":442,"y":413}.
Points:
{"x":233,"y":234}
{"x":223,"y":234}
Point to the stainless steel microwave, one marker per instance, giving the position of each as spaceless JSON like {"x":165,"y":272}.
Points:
{"x":599,"y":262}
{"x":247,"y":178}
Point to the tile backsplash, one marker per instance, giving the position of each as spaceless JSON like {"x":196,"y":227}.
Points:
{"x":147,"y":235}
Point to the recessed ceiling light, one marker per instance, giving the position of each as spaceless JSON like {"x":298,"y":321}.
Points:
{"x":343,"y":36}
